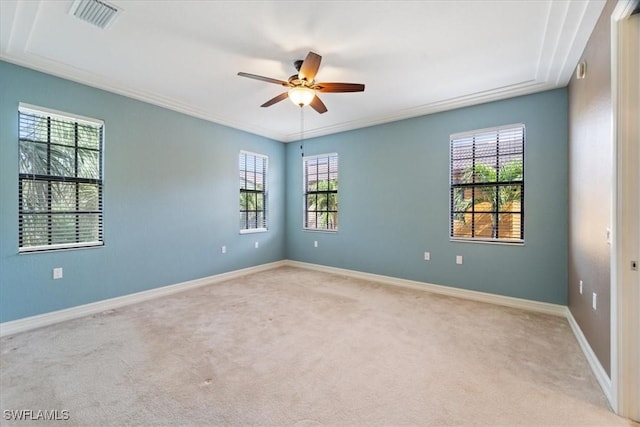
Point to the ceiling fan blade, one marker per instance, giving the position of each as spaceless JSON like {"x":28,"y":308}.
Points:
{"x":318,"y":105}
{"x":275,"y":99}
{"x":309,"y":67}
{"x":339,"y":87}
{"x":264,"y":79}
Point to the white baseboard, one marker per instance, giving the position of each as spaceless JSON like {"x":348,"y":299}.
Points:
{"x":536,"y":306}
{"x":594,"y":363}
{"x":33,"y":322}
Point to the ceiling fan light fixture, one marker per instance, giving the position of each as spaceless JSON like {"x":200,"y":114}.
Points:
{"x":301,"y":95}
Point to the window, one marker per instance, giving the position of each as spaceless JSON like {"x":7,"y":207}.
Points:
{"x":253,"y":192}
{"x":487,"y":184}
{"x":60,"y":180}
{"x":321,"y":192}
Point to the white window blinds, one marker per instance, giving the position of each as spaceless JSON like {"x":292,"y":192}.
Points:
{"x":253,"y":191}
{"x":60,"y":180}
{"x":487,"y":184}
{"x":321,"y":192}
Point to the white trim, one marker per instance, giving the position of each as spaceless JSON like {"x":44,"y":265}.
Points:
{"x":596,"y":367}
{"x":253,"y":153}
{"x":33,"y":322}
{"x":625,"y":295}
{"x":564,"y":38}
{"x":46,"y":319}
{"x":253,"y":230}
{"x":59,"y":247}
{"x":487,"y":241}
{"x":476,"y":132}
{"x":320,"y":230}
{"x":523,"y":304}
{"x":317,"y":156}
{"x":529,"y":305}
{"x":61,"y":115}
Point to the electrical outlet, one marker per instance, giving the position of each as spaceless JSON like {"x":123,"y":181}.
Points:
{"x":57,"y":273}
{"x":256,"y":245}
{"x":427,"y":256}
{"x":223,"y":250}
{"x":580,"y":287}
{"x":458,"y":259}
{"x":595,"y":299}
{"x":315,"y":243}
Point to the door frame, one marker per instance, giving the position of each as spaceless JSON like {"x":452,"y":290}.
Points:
{"x":625,"y":282}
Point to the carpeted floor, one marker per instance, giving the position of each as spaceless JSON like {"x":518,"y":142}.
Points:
{"x":296,"y":347}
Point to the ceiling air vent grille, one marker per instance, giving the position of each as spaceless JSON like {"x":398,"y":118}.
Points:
{"x":95,"y":12}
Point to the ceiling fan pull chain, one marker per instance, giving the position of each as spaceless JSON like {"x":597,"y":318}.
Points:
{"x":301,"y":131}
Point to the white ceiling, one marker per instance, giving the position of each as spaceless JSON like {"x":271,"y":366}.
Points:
{"x":415,"y":57}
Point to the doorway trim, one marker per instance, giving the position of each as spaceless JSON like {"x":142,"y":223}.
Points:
{"x":625,"y":282}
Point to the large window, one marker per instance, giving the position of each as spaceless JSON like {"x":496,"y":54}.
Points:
{"x":321,"y":192}
{"x":487,"y":184}
{"x":60,"y":180}
{"x":253,"y":192}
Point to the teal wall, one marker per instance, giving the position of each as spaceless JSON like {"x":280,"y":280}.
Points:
{"x":394,"y":202}
{"x":170,"y":200}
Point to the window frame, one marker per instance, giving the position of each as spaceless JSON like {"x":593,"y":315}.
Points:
{"x":263,"y":192}
{"x":49,"y":179}
{"x":306,"y":193}
{"x":458,"y":137}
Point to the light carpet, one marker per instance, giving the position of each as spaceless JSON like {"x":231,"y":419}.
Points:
{"x":291,"y":346}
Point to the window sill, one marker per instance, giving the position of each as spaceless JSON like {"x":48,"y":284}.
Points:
{"x":319,"y":230}
{"x":57,"y":248}
{"x":254,"y":230}
{"x":488,"y":241}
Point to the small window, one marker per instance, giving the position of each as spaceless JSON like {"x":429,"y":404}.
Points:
{"x":487,"y":185}
{"x":321,"y":192}
{"x":60,"y":180}
{"x":253,"y":192}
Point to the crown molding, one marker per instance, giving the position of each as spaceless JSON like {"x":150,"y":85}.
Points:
{"x":567,"y":29}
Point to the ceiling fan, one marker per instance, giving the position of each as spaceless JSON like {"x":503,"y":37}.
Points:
{"x":303,"y":87}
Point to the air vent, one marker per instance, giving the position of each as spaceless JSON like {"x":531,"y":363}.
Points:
{"x":95,"y":12}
